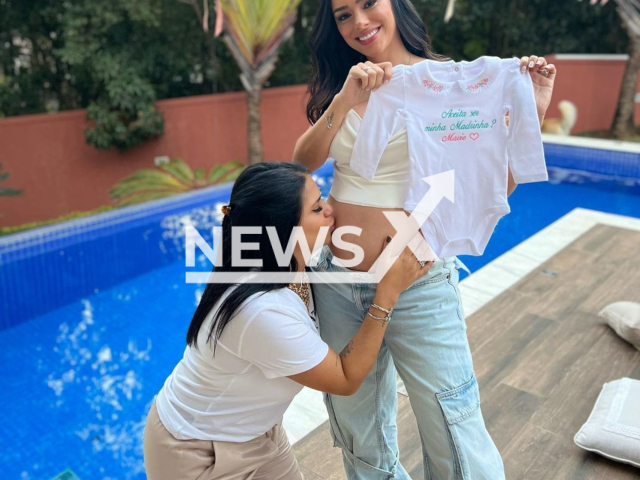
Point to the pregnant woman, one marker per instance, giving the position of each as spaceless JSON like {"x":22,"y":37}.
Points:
{"x":355,"y":44}
{"x":252,"y":347}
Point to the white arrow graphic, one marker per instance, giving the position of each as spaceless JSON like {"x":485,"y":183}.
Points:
{"x":408,"y":227}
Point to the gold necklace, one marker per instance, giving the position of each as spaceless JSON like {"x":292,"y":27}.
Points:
{"x":303,"y":290}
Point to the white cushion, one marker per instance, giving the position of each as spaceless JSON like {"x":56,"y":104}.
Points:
{"x":613,"y":428}
{"x":624,"y":318}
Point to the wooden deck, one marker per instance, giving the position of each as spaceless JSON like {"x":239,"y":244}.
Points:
{"x":541,"y":355}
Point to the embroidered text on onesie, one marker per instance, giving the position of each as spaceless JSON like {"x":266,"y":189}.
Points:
{"x":455,"y":118}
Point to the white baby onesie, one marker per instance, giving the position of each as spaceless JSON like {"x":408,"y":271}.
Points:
{"x":454,"y":114}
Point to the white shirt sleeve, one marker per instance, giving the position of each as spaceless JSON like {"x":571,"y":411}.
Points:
{"x":281,"y":344}
{"x":525,"y":151}
{"x":377,"y":127}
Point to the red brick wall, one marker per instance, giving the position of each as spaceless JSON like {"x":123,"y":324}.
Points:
{"x":49,"y":159}
{"x":593,"y":84}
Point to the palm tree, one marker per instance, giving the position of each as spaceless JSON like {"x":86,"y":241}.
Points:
{"x":7,"y":191}
{"x":202,"y":12}
{"x":629,"y":13}
{"x":169,"y":179}
{"x":449,"y":12}
{"x":255,"y":31}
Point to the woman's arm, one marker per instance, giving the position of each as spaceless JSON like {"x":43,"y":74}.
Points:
{"x":312,"y":148}
{"x":343,"y":373}
{"x":543,"y":76}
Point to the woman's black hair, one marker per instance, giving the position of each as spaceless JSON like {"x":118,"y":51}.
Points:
{"x":332,"y":58}
{"x":265,"y":194}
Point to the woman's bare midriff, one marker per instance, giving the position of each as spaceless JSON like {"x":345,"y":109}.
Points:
{"x":375,"y":228}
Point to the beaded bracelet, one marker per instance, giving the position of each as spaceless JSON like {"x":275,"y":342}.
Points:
{"x":378,"y":307}
{"x":383,"y":320}
{"x":377,"y":318}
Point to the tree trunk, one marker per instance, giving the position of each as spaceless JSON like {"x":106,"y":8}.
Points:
{"x":215,"y":63}
{"x":623,"y":122}
{"x":254,"y":95}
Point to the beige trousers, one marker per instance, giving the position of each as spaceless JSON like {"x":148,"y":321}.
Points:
{"x":268,"y":457}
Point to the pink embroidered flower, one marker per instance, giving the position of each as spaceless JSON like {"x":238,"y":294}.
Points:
{"x":477,"y":86}
{"x":432,"y":86}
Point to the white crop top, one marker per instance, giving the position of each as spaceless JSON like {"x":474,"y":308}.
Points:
{"x":388,"y":187}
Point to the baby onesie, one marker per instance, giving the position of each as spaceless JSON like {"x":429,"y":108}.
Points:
{"x":454,"y":113}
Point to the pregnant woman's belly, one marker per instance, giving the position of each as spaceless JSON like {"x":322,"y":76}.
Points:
{"x":375,"y":228}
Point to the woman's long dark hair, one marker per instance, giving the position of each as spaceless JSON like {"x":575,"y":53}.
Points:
{"x":332,"y":58}
{"x":266,"y":194}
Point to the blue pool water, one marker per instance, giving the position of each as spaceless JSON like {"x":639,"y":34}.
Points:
{"x":79,"y":379}
{"x":536,"y":205}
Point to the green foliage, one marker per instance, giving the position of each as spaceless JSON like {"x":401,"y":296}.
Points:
{"x":115,"y":58}
{"x":169,"y":179}
{"x":508,"y":28}
{"x":502,"y":28}
{"x":123,"y":128}
{"x":294,"y":61}
{"x":32,"y":78}
{"x":78,"y":48}
{"x":113,"y":43}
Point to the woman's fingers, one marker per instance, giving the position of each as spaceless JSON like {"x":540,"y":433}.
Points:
{"x":388,"y":71}
{"x":367,"y":74}
{"x":386,"y":242}
{"x":374,"y":72}
{"x":536,"y":63}
{"x":379,"y":72}
{"x":423,"y":251}
{"x":411,"y":257}
{"x":540,"y":67}
{"x":359,"y":72}
{"x":551,"y":68}
{"x":372,"y":76}
{"x":528,"y":63}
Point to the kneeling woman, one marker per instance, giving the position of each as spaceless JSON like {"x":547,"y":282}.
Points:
{"x":252,"y":347}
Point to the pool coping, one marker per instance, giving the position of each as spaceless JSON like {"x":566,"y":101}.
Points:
{"x":100,"y":221}
{"x":492,"y":279}
{"x":595,"y":143}
{"x":106,"y":219}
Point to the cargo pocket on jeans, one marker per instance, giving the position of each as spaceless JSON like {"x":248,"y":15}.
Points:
{"x":459,"y":407}
{"x":334,"y":430}
{"x":362,"y":468}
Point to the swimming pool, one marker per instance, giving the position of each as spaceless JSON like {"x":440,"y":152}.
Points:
{"x":80,"y":373}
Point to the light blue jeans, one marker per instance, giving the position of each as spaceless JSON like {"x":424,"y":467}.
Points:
{"x":426,"y":343}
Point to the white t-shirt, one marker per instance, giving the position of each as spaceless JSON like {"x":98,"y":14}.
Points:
{"x":454,"y":115}
{"x":243,"y":391}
